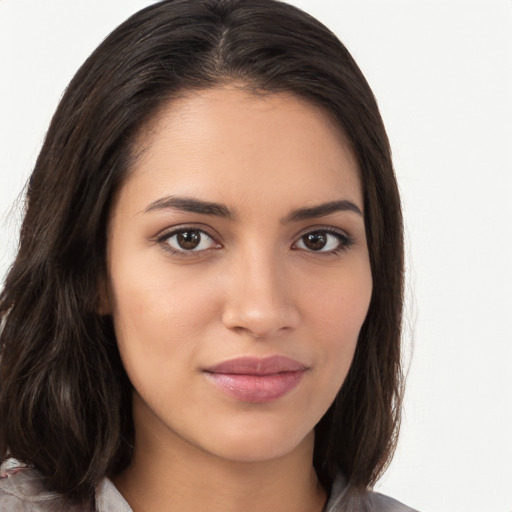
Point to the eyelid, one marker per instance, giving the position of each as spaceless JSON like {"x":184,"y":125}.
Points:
{"x":169,"y":232}
{"x":346,"y":240}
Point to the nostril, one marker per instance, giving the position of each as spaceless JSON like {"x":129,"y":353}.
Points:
{"x":260,"y":323}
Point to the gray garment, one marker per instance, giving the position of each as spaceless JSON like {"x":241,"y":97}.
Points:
{"x":373,"y":501}
{"x":21,"y":490}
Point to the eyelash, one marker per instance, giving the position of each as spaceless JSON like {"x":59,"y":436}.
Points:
{"x":344,"y":240}
{"x":163,"y":240}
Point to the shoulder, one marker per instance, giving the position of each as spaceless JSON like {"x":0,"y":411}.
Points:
{"x":370,"y":501}
{"x":22,"y":490}
{"x":381,"y":503}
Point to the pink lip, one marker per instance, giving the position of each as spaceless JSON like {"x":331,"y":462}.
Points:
{"x":255,"y":380}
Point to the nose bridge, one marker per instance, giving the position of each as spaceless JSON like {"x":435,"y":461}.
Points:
{"x":259,"y":299}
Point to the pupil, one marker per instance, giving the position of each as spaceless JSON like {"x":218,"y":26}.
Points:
{"x":188,"y":239}
{"x":315,"y":241}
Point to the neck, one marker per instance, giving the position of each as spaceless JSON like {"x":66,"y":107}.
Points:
{"x":176,"y":475}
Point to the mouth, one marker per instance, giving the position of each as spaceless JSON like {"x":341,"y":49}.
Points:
{"x":256,"y":380}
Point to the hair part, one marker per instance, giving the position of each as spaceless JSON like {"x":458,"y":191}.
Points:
{"x":65,"y":399}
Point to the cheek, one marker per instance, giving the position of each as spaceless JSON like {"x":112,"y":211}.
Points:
{"x":338,"y":307}
{"x":158,"y":297}
{"x":336,"y":314}
{"x":158,"y":317}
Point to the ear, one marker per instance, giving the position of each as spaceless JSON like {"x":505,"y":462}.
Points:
{"x":104,"y":301}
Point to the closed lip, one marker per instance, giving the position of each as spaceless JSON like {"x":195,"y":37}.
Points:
{"x":257,"y":366}
{"x":256,"y":380}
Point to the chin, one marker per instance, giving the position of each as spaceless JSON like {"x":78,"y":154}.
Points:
{"x":258,"y":445}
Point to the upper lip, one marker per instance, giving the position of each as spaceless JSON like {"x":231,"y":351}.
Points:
{"x":257,"y":366}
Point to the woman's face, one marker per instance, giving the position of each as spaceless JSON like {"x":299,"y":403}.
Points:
{"x":239,"y":275}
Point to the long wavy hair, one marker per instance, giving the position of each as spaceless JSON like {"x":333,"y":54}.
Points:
{"x":65,"y":399}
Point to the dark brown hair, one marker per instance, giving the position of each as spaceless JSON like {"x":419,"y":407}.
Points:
{"x":65,"y":400}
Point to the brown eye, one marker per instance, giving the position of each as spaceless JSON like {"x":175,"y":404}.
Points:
{"x":315,"y":241}
{"x":188,"y":240}
{"x":323,"y":241}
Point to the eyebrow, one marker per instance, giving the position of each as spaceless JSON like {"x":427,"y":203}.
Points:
{"x":188,"y":204}
{"x":322,"y":210}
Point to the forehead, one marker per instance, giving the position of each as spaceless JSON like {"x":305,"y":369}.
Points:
{"x":228,"y":141}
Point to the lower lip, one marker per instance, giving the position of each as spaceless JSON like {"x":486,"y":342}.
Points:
{"x":257,"y":389}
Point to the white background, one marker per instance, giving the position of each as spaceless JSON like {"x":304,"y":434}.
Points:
{"x":442,"y":72}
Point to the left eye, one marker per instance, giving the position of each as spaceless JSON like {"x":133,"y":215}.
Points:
{"x":322,"y":241}
{"x":189,"y":240}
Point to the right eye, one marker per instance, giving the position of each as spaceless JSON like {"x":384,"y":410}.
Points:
{"x":188,"y":240}
{"x":324,"y":241}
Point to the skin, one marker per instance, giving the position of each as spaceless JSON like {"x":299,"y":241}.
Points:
{"x":251,"y":287}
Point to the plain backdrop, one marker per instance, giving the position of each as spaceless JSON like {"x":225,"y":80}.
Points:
{"x":442,"y":73}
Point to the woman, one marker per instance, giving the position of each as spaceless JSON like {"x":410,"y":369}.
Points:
{"x":205,"y":309}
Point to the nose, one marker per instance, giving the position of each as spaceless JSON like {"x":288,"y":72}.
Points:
{"x":259,"y":301}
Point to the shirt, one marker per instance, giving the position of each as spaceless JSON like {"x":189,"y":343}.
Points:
{"x":21,"y":490}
